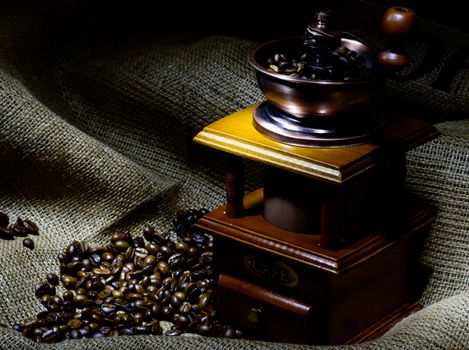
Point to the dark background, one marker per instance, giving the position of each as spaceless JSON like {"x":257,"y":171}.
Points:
{"x":119,"y":23}
{"x":250,"y":19}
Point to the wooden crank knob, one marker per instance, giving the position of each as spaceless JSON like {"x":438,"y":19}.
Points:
{"x":397,"y":24}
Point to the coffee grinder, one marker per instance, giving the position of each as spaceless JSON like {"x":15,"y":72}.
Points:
{"x":326,"y":251}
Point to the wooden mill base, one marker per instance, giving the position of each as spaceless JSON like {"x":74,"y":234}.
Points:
{"x":282,"y":286}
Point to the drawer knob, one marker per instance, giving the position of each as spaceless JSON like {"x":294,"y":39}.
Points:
{"x":254,"y":314}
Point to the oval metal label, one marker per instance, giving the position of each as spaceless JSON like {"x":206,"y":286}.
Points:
{"x":274,"y":271}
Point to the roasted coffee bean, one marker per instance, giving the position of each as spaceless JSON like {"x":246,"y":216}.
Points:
{"x":139,"y":317}
{"x":96,"y":335}
{"x":204,"y":300}
{"x":121,"y":245}
{"x":28,"y":243}
{"x":163,"y":267}
{"x":129,"y":253}
{"x":152,"y":248}
{"x":68,"y":281}
{"x":180,"y":321}
{"x":72,"y":249}
{"x":192,"y":252}
{"x":4,"y":220}
{"x":343,"y":64}
{"x":181,"y":247}
{"x":203,"y":328}
{"x":68,"y":295}
{"x":49,"y":335}
{"x":139,"y":242}
{"x":176,"y":260}
{"x":106,"y":330}
{"x":53,"y":279}
{"x":229,"y":333}
{"x":107,"y":257}
{"x":45,"y":299}
{"x":19,"y":231}
{"x":116,"y":237}
{"x":31,"y":227}
{"x":167,"y":311}
{"x":74,"y":266}
{"x":75,"y":334}
{"x":185,"y":308}
{"x":42,"y":289}
{"x":166,"y":250}
{"x":151,"y":236}
{"x":56,"y":300}
{"x":5,"y":233}
{"x":17,"y":326}
{"x":200,"y":238}
{"x":86,"y":264}
{"x":101,"y":271}
{"x":74,"y":323}
{"x":150,"y":260}
{"x":206,"y":257}
{"x":80,"y":299}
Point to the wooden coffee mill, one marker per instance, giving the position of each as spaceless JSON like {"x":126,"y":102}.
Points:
{"x":326,"y":252}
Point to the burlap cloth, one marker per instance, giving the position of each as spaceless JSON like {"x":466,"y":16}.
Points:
{"x":93,"y":141}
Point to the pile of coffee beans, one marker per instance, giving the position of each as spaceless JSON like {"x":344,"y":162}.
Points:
{"x":343,"y":64}
{"x":21,"y":228}
{"x":129,"y":285}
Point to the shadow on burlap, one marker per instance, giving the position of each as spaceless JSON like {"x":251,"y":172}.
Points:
{"x":93,"y":141}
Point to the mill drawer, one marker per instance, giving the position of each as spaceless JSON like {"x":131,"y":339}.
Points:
{"x":262,"y":312}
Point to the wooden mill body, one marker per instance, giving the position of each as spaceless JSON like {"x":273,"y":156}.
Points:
{"x":326,"y":252}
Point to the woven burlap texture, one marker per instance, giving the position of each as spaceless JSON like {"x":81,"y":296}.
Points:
{"x":92,"y":142}
{"x":430,"y":55}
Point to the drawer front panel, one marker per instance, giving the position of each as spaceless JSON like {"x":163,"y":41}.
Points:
{"x":261,"y":312}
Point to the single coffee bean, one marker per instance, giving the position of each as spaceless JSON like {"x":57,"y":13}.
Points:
{"x":148,"y":232}
{"x":4,"y":220}
{"x":41,"y":289}
{"x":31,"y":227}
{"x":68,"y":281}
{"x":116,"y":237}
{"x":121,"y":245}
{"x":18,"y":230}
{"x":181,"y":247}
{"x":68,"y":295}
{"x":75,"y":334}
{"x":107,"y":256}
{"x":130,"y":253}
{"x":185,"y":307}
{"x":127,"y":331}
{"x":6,"y":233}
{"x":203,"y":328}
{"x":74,"y":323}
{"x":150,"y":260}
{"x":139,"y":242}
{"x":53,"y":279}
{"x":163,"y":267}
{"x":45,"y":299}
{"x":204,"y":300}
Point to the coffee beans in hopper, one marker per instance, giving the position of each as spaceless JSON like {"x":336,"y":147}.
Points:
{"x":128,"y":286}
{"x":343,"y":64}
